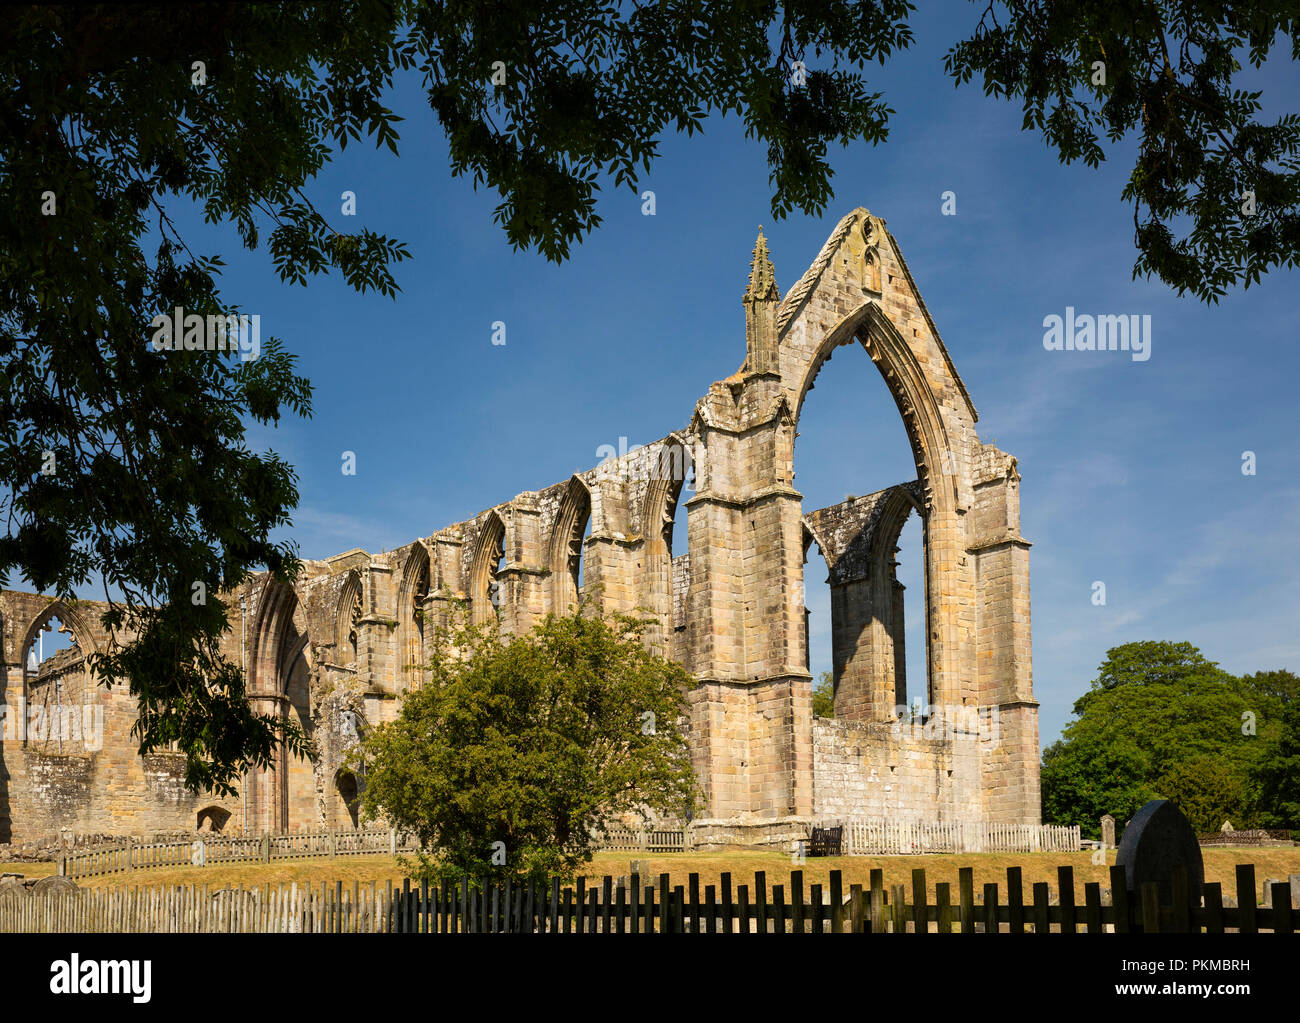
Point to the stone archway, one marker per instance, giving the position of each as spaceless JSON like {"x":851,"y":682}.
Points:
{"x":412,"y":618}
{"x":564,"y":558}
{"x":59,"y":699}
{"x":485,"y":585}
{"x":282,"y":797}
{"x":752,"y":709}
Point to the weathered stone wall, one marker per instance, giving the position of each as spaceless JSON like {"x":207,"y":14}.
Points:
{"x":336,"y":651}
{"x":895,"y":772}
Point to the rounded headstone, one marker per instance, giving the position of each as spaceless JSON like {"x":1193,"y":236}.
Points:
{"x":1158,"y":839}
{"x":54,"y":883}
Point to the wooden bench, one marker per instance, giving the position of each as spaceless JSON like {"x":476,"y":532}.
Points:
{"x":825,"y":841}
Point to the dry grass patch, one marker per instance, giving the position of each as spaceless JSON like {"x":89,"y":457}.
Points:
{"x":1220,"y":865}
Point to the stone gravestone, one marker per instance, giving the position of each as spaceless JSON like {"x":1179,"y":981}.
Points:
{"x":1108,"y":831}
{"x":642,"y":868}
{"x":1158,"y":839}
{"x":1295,"y":890}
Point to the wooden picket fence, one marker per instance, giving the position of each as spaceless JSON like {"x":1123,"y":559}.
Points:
{"x":617,"y":907}
{"x":861,"y":838}
{"x":656,"y":840}
{"x":132,"y":854}
{"x":881,"y":838}
{"x":894,"y":838}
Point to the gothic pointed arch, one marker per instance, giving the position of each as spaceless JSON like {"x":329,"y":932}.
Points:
{"x":673,"y":465}
{"x":347,"y":617}
{"x":918,"y":405}
{"x":61,"y":684}
{"x":282,"y":666}
{"x":564,"y":559}
{"x":485,"y":593}
{"x":279,"y":634}
{"x":412,"y":594}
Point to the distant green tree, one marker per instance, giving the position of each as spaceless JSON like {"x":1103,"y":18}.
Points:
{"x":1278,"y":773}
{"x":515,"y":750}
{"x":1153,"y":708}
{"x":1208,"y":790}
{"x":824,"y":696}
{"x":1085,"y":776}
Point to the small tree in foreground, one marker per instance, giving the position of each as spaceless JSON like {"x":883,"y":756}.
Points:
{"x":516,"y":749}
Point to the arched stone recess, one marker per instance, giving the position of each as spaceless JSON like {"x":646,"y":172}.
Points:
{"x":345,"y":802}
{"x":486,"y":582}
{"x":212,"y":820}
{"x":282,"y":797}
{"x":64,"y":699}
{"x":664,"y":579}
{"x":414,"y":627}
{"x":565,"y":554}
{"x":347,"y":623}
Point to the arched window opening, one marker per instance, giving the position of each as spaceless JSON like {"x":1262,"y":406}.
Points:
{"x":412,"y":596}
{"x":488,"y":589}
{"x":212,"y":820}
{"x":348,"y":795}
{"x":568,"y":544}
{"x":868,"y":627}
{"x":348,"y":621}
{"x":282,"y":795}
{"x":60,"y":714}
{"x":666,"y":566}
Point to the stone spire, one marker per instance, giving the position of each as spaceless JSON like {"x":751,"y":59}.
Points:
{"x":761,"y":301}
{"x":762,"y":275}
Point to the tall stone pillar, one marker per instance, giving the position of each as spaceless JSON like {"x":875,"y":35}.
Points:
{"x":753,"y":707}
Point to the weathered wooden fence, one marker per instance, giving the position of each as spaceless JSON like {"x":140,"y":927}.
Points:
{"x":615,"y":907}
{"x":132,"y":854}
{"x":880,"y":838}
{"x":861,"y":838}
{"x":656,"y":840}
{"x":884,"y":838}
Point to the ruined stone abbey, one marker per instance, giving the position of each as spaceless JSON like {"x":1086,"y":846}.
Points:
{"x":336,"y":650}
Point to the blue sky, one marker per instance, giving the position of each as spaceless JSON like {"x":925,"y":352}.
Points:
{"x":1131,"y":470}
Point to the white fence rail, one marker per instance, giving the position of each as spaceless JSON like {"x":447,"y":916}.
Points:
{"x":885,"y":838}
{"x":131,"y":854}
{"x":860,"y":838}
{"x":880,"y":838}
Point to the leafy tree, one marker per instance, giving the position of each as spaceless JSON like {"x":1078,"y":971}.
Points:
{"x":1208,"y":790}
{"x":823,"y":696}
{"x":108,"y":128}
{"x":123,"y":466}
{"x":531,"y":742}
{"x":1153,"y":708}
{"x":1278,"y":774}
{"x":1085,"y":777}
{"x":1215,"y":189}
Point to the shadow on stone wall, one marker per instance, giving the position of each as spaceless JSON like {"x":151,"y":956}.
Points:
{"x":6,"y":828}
